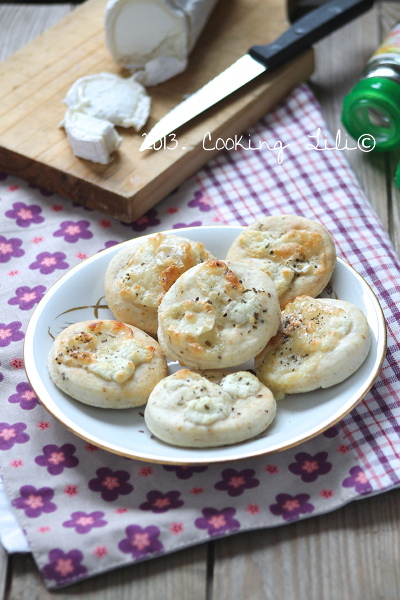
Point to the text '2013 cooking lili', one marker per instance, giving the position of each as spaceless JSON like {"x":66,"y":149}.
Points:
{"x":319,"y":142}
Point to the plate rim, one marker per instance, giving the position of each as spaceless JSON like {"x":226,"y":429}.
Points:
{"x":36,"y":382}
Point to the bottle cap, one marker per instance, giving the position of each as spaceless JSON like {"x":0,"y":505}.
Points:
{"x":373,"y":107}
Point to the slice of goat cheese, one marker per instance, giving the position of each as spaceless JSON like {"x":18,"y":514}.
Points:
{"x":122,"y":101}
{"x":155,"y":36}
{"x":89,"y":137}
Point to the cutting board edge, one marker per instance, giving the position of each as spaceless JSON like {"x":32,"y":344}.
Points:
{"x":128,"y":208}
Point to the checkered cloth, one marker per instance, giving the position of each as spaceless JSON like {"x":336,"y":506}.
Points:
{"x":84,"y":510}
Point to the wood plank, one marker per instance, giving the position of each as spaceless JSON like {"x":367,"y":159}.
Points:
{"x":34,"y":81}
{"x":181,"y":575}
{"x":3,"y":573}
{"x":22,"y":24}
{"x":350,"y":553}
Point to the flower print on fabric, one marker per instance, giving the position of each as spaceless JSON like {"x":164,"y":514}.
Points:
{"x":17,"y":363}
{"x":100,"y":551}
{"x":84,"y":522}
{"x":141,"y":541}
{"x":71,"y":490}
{"x":236,"y":482}
{"x":64,"y":566}
{"x":25,"y":396}
{"x":10,"y":332}
{"x":343,"y":449}
{"x":202,"y":202}
{"x":47,"y":262}
{"x":150,"y":219}
{"x":10,"y":248}
{"x":12,"y":434}
{"x":72,"y":231}
{"x":26,"y":297}
{"x":310,"y":467}
{"x":326,"y":494}
{"x":253,"y":509}
{"x":109,"y":244}
{"x":57,"y":458}
{"x":25,"y":215}
{"x":358,"y":480}
{"x":111,"y":484}
{"x":217,"y":521}
{"x":35,"y":502}
{"x":331,"y":432}
{"x":158,"y":502}
{"x":184,"y":472}
{"x":271,"y":469}
{"x":145,"y":471}
{"x":291,"y":507}
{"x":181,"y":225}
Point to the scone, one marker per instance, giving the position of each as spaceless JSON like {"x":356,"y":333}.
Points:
{"x":106,"y":364}
{"x":320,"y":343}
{"x":297,"y":253}
{"x":218,"y":315}
{"x":187,"y":409}
{"x":139,"y":275}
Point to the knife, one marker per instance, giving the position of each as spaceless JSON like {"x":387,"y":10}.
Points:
{"x":309,"y":29}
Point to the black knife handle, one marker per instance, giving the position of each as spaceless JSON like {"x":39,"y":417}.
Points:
{"x":309,"y":29}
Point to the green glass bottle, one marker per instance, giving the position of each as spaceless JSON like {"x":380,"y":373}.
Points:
{"x":373,"y":105}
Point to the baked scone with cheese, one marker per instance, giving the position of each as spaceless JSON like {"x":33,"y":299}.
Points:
{"x":187,"y":409}
{"x":106,"y":363}
{"x":139,"y":275}
{"x":320,"y":343}
{"x":297,"y":253}
{"x":218,"y":315}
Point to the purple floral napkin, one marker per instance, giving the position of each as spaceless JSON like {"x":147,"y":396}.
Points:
{"x":85,"y":511}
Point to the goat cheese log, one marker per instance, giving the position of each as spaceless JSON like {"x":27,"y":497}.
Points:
{"x":155,"y":36}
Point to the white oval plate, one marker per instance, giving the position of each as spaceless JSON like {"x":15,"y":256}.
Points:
{"x":79,"y":295}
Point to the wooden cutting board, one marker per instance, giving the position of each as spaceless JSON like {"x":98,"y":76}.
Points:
{"x":34,"y":81}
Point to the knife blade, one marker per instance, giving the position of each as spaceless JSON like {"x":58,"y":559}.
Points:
{"x":309,"y":29}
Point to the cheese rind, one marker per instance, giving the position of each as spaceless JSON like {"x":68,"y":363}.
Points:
{"x":154,"y":35}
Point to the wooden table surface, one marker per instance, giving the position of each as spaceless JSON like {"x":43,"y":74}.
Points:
{"x":351,"y":553}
